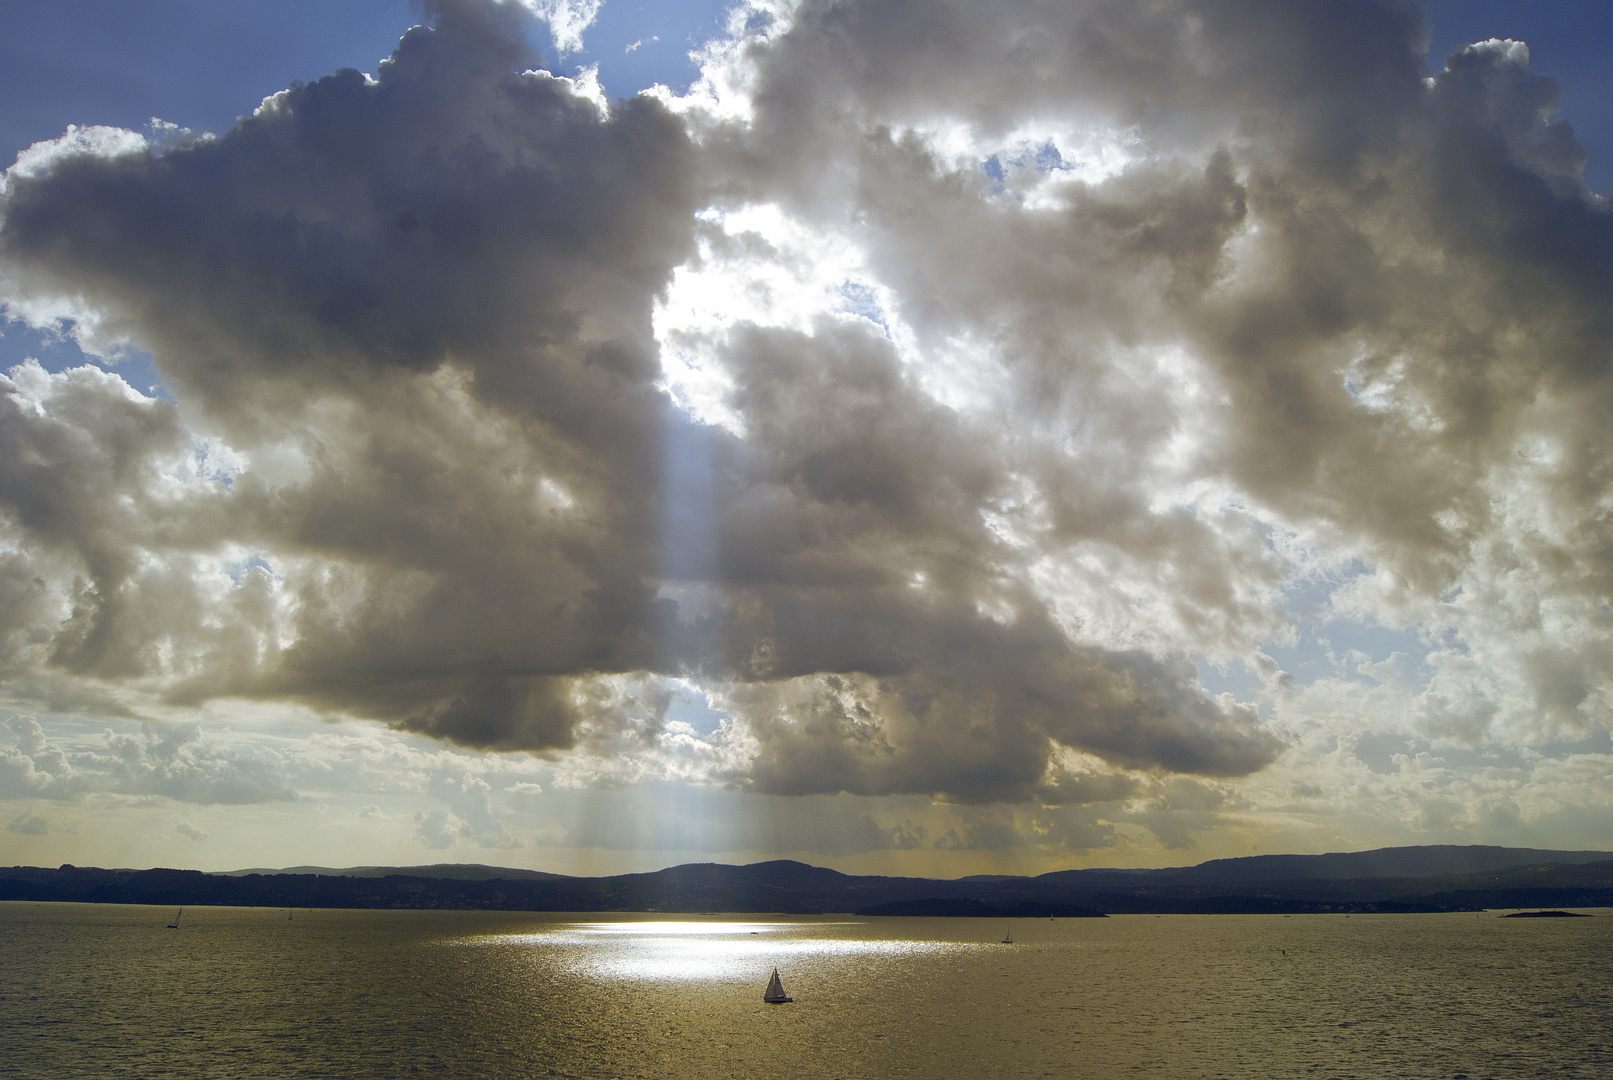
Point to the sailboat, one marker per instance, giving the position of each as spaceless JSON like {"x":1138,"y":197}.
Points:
{"x":1008,"y":936}
{"x":775,"y":994}
{"x":175,"y":924}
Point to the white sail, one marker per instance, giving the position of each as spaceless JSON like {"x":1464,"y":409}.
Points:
{"x":775,"y":990}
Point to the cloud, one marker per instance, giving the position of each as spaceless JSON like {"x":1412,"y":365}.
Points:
{"x":190,"y":832}
{"x":567,"y":19}
{"x":470,"y":819}
{"x":1320,"y":370}
{"x":179,"y":762}
{"x":435,"y":830}
{"x":930,"y":388}
{"x":556,"y":383}
{"x":33,"y":765}
{"x":183,"y":763}
{"x":95,"y":140}
{"x":28,"y":823}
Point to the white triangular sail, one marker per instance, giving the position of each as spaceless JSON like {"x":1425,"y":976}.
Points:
{"x":775,"y":989}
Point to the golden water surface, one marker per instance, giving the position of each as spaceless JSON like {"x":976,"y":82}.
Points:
{"x":109,"y":991}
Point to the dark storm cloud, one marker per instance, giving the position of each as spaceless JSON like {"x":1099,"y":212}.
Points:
{"x":427,"y":298}
{"x":423,"y":468}
{"x":854,"y":543}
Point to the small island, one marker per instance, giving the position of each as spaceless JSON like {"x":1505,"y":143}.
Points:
{"x":1546,"y":915}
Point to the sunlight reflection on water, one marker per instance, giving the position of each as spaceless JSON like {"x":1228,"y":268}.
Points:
{"x":689,"y":951}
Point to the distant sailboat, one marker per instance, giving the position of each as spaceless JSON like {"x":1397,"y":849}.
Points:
{"x":175,"y":924}
{"x":1008,"y":936}
{"x":775,"y":991}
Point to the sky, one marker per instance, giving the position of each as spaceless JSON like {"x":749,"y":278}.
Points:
{"x":933,"y":438}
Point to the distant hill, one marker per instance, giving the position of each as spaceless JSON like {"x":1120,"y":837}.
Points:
{"x":450,"y":871}
{"x":1444,"y":878}
{"x":1426,"y":861}
{"x":1397,"y":862}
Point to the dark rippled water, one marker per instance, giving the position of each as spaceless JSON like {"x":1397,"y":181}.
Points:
{"x":107,"y":991}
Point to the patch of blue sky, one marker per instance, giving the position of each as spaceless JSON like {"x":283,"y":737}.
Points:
{"x":637,"y":45}
{"x":691,"y":706}
{"x":1342,"y":638}
{"x":198,"y":63}
{"x":57,"y":351}
{"x":1323,"y":638}
{"x":211,"y":464}
{"x":238,"y":569}
{"x":993,"y":168}
{"x":1044,"y":157}
{"x":1233,"y":677}
{"x":1328,"y":645}
{"x":861,"y":299}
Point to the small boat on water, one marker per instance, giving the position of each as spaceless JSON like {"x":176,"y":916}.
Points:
{"x":775,"y":994}
{"x":1008,"y":936}
{"x":177,"y":915}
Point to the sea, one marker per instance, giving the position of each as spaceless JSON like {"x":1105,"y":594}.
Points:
{"x":110,"y":991}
